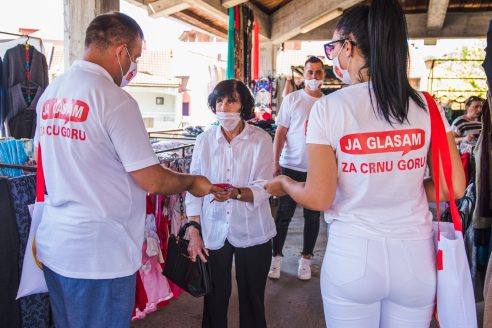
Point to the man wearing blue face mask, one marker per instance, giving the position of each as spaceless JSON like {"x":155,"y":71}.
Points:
{"x":98,"y":165}
{"x":290,"y":158}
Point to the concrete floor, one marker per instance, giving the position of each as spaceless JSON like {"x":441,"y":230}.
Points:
{"x":289,"y":302}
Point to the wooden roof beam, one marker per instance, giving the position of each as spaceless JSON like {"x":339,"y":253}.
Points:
{"x":232,"y":3}
{"x":302,"y":16}
{"x":436,"y":14}
{"x":262,"y":18}
{"x":212,"y":8}
{"x":458,"y":25}
{"x":162,"y":8}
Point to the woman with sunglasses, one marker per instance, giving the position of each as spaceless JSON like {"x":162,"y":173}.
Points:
{"x":368,"y":145}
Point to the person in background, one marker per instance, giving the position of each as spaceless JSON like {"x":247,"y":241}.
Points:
{"x":237,"y":223}
{"x":98,"y":165}
{"x":466,"y":128}
{"x":290,"y":159}
{"x":379,"y":268}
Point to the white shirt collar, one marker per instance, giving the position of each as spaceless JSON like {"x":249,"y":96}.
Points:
{"x":92,"y":67}
{"x":244,"y":135}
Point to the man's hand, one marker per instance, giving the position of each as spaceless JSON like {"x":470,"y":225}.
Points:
{"x":470,"y":137}
{"x":277,"y":169}
{"x":201,"y":186}
{"x":274,"y":187}
{"x":196,"y":247}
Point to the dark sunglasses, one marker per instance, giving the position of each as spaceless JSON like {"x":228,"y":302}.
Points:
{"x":330,"y":46}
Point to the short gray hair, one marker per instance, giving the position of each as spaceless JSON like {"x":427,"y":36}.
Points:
{"x":112,"y":28}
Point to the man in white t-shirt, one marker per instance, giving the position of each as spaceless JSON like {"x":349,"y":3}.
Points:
{"x":290,"y":158}
{"x":98,"y":165}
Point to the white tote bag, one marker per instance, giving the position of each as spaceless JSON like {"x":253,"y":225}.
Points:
{"x":32,"y":278}
{"x":455,"y":297}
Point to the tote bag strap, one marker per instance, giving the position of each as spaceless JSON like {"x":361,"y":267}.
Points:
{"x":440,"y":151}
{"x":40,"y":184}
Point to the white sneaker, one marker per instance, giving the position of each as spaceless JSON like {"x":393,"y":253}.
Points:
{"x":304,"y":271}
{"x":275,"y":267}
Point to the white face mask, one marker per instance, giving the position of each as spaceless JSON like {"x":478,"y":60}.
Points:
{"x":228,"y":121}
{"x":132,"y":71}
{"x":342,"y":74}
{"x":313,"y":84}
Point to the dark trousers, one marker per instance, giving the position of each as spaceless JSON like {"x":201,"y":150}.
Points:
{"x":286,"y":208}
{"x":252,"y":265}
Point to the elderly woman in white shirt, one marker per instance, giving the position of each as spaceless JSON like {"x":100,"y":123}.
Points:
{"x":237,"y":222}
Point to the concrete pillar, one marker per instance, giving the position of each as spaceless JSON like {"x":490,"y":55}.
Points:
{"x":77,"y":15}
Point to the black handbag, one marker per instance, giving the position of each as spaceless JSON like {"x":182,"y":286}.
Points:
{"x":193,"y":277}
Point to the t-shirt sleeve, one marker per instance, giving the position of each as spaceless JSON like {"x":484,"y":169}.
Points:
{"x":39,"y":111}
{"x":318,"y":130}
{"x":283,"y":117}
{"x":130,"y":139}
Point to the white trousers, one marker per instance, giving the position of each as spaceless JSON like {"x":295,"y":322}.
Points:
{"x":371,"y":282}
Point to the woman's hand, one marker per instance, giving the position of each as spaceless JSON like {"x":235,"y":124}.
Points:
{"x":196,"y":247}
{"x":277,"y":170}
{"x":225,"y":195}
{"x":274,"y":187}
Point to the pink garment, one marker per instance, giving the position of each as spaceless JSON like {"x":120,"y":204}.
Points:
{"x":140,"y":300}
{"x":156,"y":285}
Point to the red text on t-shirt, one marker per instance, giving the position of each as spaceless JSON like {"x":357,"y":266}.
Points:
{"x":69,"y":110}
{"x":383,"y":142}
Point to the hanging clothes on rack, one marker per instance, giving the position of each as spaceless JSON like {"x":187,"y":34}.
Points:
{"x":2,"y":101}
{"x":165,"y":216}
{"x":263,"y":99}
{"x":230,"y":44}
{"x":240,"y":43}
{"x":24,"y":76}
{"x":9,"y":257}
{"x":255,"y":67}
{"x":248,"y":22}
{"x":21,"y":117}
{"x":34,"y":310}
{"x":6,"y":44}
{"x":156,"y":286}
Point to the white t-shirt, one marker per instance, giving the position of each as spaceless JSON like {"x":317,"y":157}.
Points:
{"x":91,"y":134}
{"x":380,"y":168}
{"x":294,"y":115}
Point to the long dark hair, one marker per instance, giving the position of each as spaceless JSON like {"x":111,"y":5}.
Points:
{"x":380,"y":32}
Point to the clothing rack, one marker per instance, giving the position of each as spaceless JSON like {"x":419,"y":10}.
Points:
{"x":182,"y":148}
{"x":176,"y":134}
{"x":28,"y":168}
{"x":21,"y":35}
